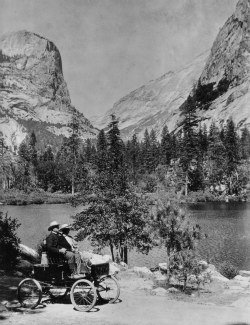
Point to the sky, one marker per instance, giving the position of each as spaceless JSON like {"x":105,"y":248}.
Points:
{"x":112,"y":47}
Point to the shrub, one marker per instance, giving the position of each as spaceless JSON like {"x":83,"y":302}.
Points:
{"x":228,"y":270}
{"x":8,"y":242}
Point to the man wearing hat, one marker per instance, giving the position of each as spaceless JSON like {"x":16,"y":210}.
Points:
{"x":56,"y":245}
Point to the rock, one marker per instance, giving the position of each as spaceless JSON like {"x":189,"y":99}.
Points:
{"x":2,"y":272}
{"x":203,"y":264}
{"x":163,"y":267}
{"x":158,"y":276}
{"x":2,"y":308}
{"x":33,"y":89}
{"x":159,"y":292}
{"x":215,"y":275}
{"x":113,"y":268}
{"x":243,"y":302}
{"x":211,"y":267}
{"x":173,"y":290}
{"x":241,"y":278}
{"x":225,"y":70}
{"x":28,"y":253}
{"x":18,"y":274}
{"x":143,"y":271}
{"x":244,"y":273}
{"x":124,"y":266}
{"x":24,"y":266}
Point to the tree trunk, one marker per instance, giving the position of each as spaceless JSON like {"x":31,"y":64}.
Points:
{"x":186,"y":185}
{"x":125,"y":254}
{"x":73,"y":185}
{"x":112,"y":251}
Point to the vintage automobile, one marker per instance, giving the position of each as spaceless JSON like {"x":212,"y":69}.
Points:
{"x":53,"y":280}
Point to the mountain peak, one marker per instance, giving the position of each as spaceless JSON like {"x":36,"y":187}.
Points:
{"x":33,"y":92}
{"x":27,"y":44}
{"x":242,"y":10}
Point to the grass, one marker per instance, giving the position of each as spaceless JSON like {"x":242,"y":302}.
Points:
{"x":17,"y":197}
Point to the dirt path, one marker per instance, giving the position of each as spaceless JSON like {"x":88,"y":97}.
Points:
{"x":137,"y":307}
{"x":132,"y":309}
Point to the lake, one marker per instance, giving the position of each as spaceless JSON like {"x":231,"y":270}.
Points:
{"x":227,"y":226}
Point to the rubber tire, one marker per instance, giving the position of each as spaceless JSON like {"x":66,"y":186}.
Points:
{"x":72,"y":298}
{"x":116,"y":296}
{"x":22,"y":301}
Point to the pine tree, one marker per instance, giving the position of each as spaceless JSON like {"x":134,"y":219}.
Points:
{"x":154,"y":150}
{"x":116,"y":161}
{"x":216,"y":165}
{"x":73,"y":148}
{"x":146,"y":152}
{"x":102,"y":152}
{"x":245,"y":143}
{"x":46,"y":169}
{"x":133,"y":157}
{"x":189,"y":152}
{"x":232,"y":147}
{"x":166,"y":146}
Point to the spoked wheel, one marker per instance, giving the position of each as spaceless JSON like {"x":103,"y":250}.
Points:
{"x":58,"y":292}
{"x":29,"y":293}
{"x":83,"y":295}
{"x":108,"y":289}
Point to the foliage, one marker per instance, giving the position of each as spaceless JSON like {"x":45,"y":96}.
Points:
{"x":116,"y":221}
{"x":228,"y":270}
{"x":179,"y":238}
{"x":185,"y":265}
{"x":8,"y":242}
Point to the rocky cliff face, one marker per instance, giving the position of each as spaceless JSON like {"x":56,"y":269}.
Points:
{"x":157,"y":103}
{"x":33,"y":92}
{"x":222,"y":77}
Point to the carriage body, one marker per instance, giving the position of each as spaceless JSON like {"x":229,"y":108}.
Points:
{"x":54,"y":280}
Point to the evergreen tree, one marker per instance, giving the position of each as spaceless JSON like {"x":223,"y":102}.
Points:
{"x":245,"y":143}
{"x":46,"y":169}
{"x":146,"y":152}
{"x":154,"y":150}
{"x":133,"y":157}
{"x":72,"y":148}
{"x":116,"y":161}
{"x":32,"y":149}
{"x":232,"y":147}
{"x":216,"y":165}
{"x":189,"y":152}
{"x":166,"y":146}
{"x":102,"y":152}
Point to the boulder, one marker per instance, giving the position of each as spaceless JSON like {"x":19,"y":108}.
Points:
{"x":204,"y":265}
{"x":113,"y":268}
{"x":244,"y":273}
{"x":172,"y":290}
{"x":215,"y":275}
{"x":158,"y":276}
{"x":159,"y":292}
{"x":143,"y":271}
{"x":163,"y":267}
{"x":24,"y":266}
{"x":28,"y":253}
{"x":241,"y":278}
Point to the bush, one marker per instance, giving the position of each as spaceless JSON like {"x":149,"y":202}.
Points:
{"x":228,"y":270}
{"x":8,"y":242}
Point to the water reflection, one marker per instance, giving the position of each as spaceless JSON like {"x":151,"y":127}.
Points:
{"x":226,"y":224}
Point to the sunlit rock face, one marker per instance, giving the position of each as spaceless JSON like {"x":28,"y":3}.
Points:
{"x":225,"y":70}
{"x":33,"y":92}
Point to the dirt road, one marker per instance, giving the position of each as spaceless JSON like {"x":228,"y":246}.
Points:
{"x":134,"y":310}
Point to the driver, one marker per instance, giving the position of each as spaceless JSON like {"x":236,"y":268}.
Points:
{"x":56,"y":246}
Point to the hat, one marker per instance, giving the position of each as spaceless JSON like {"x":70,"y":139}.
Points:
{"x":65,"y":226}
{"x":52,"y":225}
